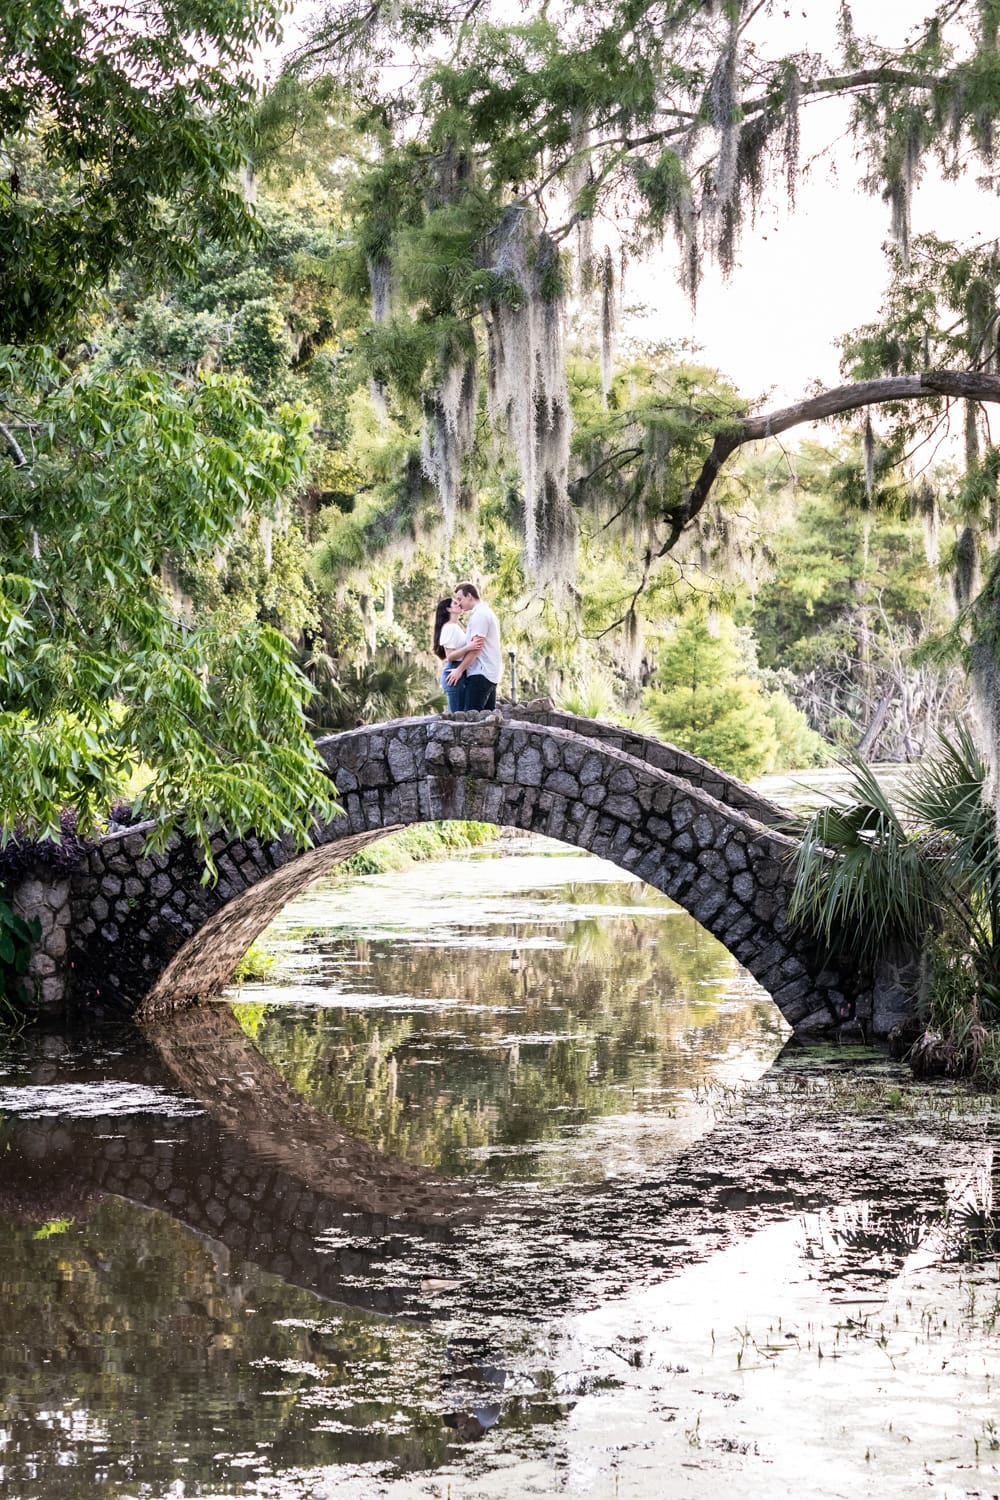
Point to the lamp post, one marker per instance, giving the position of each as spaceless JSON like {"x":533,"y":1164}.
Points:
{"x":512,"y":658}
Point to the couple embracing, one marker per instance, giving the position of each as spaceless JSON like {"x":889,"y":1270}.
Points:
{"x":470,"y":651}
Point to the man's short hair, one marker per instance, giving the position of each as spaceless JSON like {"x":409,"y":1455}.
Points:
{"x":467,"y":588}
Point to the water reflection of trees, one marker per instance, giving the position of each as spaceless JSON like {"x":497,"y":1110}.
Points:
{"x":126,"y":1338}
{"x":519,"y":1033}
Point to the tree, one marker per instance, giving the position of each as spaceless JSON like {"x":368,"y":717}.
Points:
{"x":101,"y":671}
{"x":122,"y":130}
{"x":705,"y":699}
{"x":509,"y":143}
{"x":855,"y":599}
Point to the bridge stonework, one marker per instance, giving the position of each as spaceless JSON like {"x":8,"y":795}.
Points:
{"x":137,"y":932}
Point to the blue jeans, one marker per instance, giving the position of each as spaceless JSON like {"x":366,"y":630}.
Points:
{"x":455,"y":695}
{"x":480,"y":692}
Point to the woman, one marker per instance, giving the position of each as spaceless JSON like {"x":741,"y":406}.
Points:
{"x":449,"y":646}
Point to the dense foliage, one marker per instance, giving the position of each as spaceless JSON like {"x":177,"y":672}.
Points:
{"x":122,"y":129}
{"x":121,"y":132}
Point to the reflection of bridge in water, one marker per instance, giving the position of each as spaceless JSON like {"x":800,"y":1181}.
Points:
{"x":133,"y":932}
{"x":265,"y":1174}
{"x":282,"y":1186}
{"x":139,"y":1339}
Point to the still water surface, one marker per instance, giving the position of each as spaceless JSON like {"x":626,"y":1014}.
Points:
{"x":502,"y":1185}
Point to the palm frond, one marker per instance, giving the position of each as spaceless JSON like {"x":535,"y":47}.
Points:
{"x":862,"y":884}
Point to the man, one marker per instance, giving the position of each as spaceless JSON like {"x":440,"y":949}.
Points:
{"x":481,"y":662}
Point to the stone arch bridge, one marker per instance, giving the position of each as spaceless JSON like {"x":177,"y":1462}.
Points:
{"x":136,"y":933}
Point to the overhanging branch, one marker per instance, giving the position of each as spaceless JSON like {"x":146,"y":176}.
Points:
{"x":968,"y":384}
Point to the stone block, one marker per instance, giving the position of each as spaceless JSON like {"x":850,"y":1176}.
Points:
{"x":591,"y":769}
{"x":747,"y":952}
{"x":768,"y":873}
{"x":704,"y":830}
{"x":736,"y":929}
{"x":795,"y":990}
{"x":735,"y":855}
{"x":563,"y":784}
{"x":713,"y":864}
{"x":55,"y":942}
{"x":622,"y":780}
{"x":650,"y":868}
{"x":765,"y":906}
{"x":555,"y":823}
{"x":818,"y":1022}
{"x":621,"y":841}
{"x":401,"y":760}
{"x":30,"y":894}
{"x":482,"y":761}
{"x":491,"y":804}
{"x":529,"y":768}
{"x":625,"y":809}
{"x":551,"y":753}
{"x":52,"y":991}
{"x":682,"y":813}
{"x":374,"y":772}
{"x":573,"y":757}
{"x":794,"y":1010}
{"x":506,"y":768}
{"x":705,"y":905}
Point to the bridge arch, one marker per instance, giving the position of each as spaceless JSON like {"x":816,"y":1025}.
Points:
{"x":146,"y":935}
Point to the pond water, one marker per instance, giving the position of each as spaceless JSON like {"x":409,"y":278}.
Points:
{"x":504,"y":1183}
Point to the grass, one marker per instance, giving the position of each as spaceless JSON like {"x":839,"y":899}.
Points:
{"x":412,"y":845}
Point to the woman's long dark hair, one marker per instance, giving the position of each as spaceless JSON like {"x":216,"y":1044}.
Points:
{"x":441,"y":617}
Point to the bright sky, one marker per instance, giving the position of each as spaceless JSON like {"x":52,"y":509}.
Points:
{"x":808,"y":276}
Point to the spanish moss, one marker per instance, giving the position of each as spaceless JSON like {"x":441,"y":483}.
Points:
{"x":899,"y":193}
{"x":449,"y":423}
{"x":577,"y":176}
{"x":965,"y":578}
{"x":380,"y":281}
{"x":610,"y":312}
{"x":724,"y":111}
{"x":527,"y":392}
{"x":632,"y":646}
{"x":868,"y":451}
{"x":924,"y":506}
{"x":792,"y":136}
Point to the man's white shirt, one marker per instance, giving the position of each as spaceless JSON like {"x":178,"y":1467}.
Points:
{"x":482,"y":621}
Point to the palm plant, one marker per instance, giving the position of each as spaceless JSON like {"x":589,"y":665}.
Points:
{"x":925,"y":886}
{"x":862,"y":881}
{"x":387,"y":687}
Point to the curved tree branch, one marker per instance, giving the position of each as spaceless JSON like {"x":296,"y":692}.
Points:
{"x":968,"y":384}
